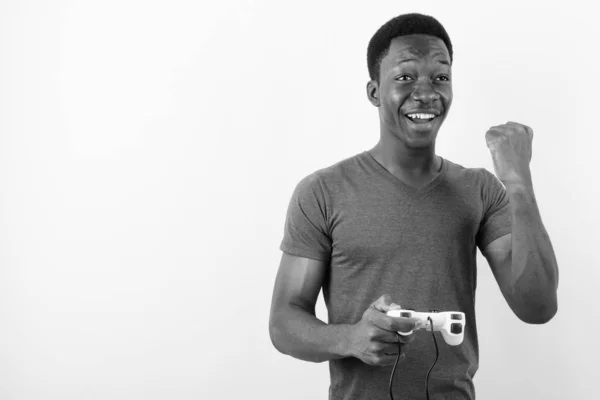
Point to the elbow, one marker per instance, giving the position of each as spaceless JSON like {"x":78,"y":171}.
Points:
{"x":275,"y":335}
{"x":537,"y":318}
{"x":534,"y":304}
{"x":538,"y":315}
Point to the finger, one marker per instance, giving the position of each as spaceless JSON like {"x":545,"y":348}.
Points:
{"x":385,"y":304}
{"x":406,"y":339}
{"x":390,"y":348}
{"x":398,"y":344}
{"x":499,"y":128}
{"x":515,"y":123}
{"x":395,"y":337}
{"x":381,"y":301}
{"x":390,"y":325}
{"x":401,"y":324}
{"x":493,"y":133}
{"x":388,"y":353}
{"x":518,"y":124}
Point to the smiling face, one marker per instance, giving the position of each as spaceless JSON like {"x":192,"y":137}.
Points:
{"x":414,"y":92}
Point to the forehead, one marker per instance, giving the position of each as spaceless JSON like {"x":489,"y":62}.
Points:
{"x":417,"y":46}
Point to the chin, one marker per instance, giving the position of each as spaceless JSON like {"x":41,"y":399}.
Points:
{"x":418,"y":139}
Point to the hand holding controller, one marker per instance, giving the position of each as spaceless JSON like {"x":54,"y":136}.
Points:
{"x":450,"y":323}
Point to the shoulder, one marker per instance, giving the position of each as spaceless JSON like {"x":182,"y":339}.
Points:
{"x":478,"y":176}
{"x":330,"y":175}
{"x":347,"y":166}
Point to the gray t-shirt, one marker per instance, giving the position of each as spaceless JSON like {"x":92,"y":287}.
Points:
{"x":381,"y":236}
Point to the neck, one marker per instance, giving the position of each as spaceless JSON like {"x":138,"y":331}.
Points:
{"x":396,"y":157}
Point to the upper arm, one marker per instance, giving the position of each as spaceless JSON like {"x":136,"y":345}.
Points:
{"x":306,"y":234}
{"x":298,"y":283}
{"x":498,"y":253}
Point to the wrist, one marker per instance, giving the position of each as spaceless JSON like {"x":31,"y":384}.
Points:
{"x":521,"y":198}
{"x":520,"y":182}
{"x":343,"y":347}
{"x":518,"y":187}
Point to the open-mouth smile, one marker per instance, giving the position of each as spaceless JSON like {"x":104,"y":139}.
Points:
{"x":420,"y":118}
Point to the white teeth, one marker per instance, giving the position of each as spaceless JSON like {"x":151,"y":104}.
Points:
{"x":421,"y":116}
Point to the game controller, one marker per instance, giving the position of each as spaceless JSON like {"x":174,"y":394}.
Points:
{"x":450,"y":323}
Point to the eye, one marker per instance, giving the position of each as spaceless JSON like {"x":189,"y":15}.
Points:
{"x":399,"y":78}
{"x":444,"y":78}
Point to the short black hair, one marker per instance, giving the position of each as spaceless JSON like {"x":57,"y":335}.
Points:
{"x":405,"y":24}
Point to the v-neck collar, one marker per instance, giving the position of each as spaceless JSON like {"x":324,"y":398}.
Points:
{"x":407,"y":189}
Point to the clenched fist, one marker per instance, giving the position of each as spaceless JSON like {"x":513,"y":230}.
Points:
{"x":510,"y":146}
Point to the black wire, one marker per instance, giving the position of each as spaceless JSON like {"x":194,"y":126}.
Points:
{"x":395,"y":364}
{"x":437,"y":353}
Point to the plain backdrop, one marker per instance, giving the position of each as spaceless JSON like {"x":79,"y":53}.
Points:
{"x":149,"y":149}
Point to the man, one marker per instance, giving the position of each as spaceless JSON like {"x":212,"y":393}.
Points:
{"x":399,"y":223}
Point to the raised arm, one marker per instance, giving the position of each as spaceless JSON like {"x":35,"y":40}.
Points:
{"x":523,"y":262}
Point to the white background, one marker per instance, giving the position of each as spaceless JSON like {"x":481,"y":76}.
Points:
{"x":149,"y":149}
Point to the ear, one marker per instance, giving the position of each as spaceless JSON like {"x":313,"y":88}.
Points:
{"x":373,"y":92}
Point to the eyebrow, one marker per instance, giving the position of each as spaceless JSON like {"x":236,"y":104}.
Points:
{"x":404,"y":60}
{"x":414,"y":52}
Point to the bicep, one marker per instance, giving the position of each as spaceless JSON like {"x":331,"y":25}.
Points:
{"x":298,"y":282}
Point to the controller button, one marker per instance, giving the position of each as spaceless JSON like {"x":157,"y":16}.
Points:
{"x":456,"y":328}
{"x":405,"y":314}
{"x":456,"y":316}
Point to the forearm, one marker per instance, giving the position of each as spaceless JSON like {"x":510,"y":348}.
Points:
{"x":534,"y":270}
{"x":298,"y":333}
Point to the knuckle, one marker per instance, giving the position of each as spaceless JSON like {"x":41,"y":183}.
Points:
{"x":371,"y":332}
{"x":374,"y":348}
{"x":494,"y":133}
{"x":371,"y":359}
{"x":386,"y":299}
{"x":501,"y":138}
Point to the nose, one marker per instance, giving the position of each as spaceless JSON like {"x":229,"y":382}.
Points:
{"x":424,"y":93}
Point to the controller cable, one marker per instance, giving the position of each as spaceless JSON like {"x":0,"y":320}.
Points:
{"x":437,"y":354}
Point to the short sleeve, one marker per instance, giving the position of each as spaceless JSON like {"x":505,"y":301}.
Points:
{"x":496,"y":221}
{"x":306,"y":232}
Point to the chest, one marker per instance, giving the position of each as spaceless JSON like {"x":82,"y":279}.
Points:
{"x":369,"y":227}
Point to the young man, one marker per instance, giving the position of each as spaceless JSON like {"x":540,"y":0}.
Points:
{"x":399,"y":223}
